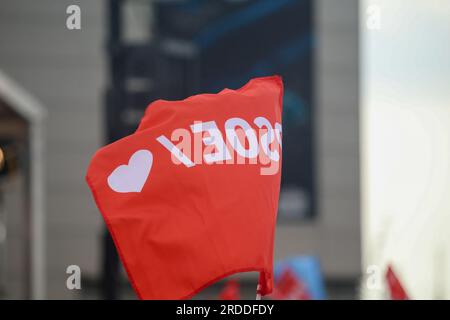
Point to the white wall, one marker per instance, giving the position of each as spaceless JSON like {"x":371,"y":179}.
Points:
{"x":405,"y":144}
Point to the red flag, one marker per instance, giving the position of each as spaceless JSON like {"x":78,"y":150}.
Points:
{"x":192,"y":196}
{"x":230,"y":291}
{"x":395,"y":287}
{"x":289,"y":287}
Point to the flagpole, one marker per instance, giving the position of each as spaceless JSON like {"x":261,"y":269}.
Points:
{"x":258,"y":292}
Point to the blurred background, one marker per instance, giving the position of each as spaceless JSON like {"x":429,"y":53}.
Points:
{"x":364,"y":205}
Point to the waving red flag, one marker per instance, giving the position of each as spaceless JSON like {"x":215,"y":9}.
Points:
{"x":231,"y":291}
{"x":290,"y":287}
{"x":396,"y":290}
{"x":192,"y":195}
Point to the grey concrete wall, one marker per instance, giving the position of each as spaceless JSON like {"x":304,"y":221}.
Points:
{"x":64,"y":70}
{"x":334,"y":236}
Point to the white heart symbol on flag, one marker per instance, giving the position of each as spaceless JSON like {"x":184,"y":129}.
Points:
{"x":132,"y":177}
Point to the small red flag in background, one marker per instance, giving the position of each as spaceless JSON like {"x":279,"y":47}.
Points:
{"x":395,"y":287}
{"x":289,"y":287}
{"x":230,"y":291}
{"x":182,"y":220}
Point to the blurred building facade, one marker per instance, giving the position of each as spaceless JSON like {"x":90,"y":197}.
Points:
{"x":67,"y":71}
